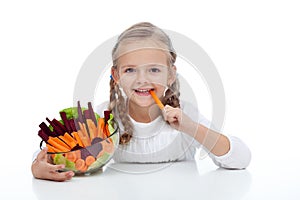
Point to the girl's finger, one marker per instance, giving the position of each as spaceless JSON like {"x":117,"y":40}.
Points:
{"x":173,"y":114}
{"x":172,"y":119}
{"x":54,"y":168}
{"x":42,"y":155}
{"x":55,"y":174}
{"x":166,"y":111}
{"x":61,"y":176}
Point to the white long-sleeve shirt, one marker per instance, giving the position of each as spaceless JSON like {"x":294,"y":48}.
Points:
{"x":159,"y":142}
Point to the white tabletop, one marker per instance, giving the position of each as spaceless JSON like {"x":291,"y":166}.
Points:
{"x":190,"y":180}
{"x":143,"y":181}
{"x":180,"y":180}
{"x":150,"y":181}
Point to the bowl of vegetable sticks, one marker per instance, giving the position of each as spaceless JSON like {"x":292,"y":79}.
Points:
{"x":81,"y":140}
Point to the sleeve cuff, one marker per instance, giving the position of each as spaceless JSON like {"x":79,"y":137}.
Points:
{"x":238,"y":156}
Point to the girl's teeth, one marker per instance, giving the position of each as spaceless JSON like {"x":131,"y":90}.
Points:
{"x":142,"y":90}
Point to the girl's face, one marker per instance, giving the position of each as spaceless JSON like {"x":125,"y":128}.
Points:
{"x":143,"y":70}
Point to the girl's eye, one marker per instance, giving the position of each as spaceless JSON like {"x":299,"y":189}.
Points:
{"x":129,"y":70}
{"x":154,"y":70}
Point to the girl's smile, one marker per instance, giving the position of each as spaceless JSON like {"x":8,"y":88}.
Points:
{"x":142,"y":91}
{"x":141,"y":96}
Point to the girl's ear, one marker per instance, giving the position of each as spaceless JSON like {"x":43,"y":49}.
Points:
{"x":114,"y":74}
{"x":172,"y":75}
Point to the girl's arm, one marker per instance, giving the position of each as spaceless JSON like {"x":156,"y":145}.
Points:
{"x":215,"y":142}
{"x":218,"y":144}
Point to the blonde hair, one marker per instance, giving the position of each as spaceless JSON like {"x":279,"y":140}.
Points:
{"x":134,"y":34}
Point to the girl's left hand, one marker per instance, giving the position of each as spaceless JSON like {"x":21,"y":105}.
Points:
{"x":179,"y":120}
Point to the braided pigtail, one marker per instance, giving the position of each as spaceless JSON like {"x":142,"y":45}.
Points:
{"x":118,"y":105}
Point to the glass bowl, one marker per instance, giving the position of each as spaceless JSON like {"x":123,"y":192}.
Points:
{"x":90,"y":159}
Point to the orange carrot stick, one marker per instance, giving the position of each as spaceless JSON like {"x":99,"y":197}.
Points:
{"x":77,"y":138}
{"x":61,"y":142}
{"x":106,"y":130}
{"x":59,"y":147}
{"x":92,"y":128}
{"x":69,"y":140}
{"x":51,"y":148}
{"x":101,"y":123}
{"x":84,"y":139}
{"x":156,"y":99}
{"x":84,"y":131}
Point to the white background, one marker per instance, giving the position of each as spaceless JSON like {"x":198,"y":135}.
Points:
{"x":254,"y":45}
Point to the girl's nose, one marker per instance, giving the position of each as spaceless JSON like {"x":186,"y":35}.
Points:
{"x":141,"y":76}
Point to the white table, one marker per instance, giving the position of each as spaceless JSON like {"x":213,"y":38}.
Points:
{"x":180,"y":180}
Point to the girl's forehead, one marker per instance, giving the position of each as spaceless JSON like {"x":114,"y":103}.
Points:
{"x":144,"y":56}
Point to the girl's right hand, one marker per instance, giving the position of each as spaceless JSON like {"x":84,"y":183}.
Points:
{"x":41,"y":169}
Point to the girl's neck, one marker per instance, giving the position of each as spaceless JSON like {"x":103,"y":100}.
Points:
{"x":143,"y":114}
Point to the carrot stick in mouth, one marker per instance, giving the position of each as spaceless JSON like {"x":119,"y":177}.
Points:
{"x":156,"y":99}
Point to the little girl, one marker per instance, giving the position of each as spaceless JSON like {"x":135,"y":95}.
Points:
{"x":143,"y":61}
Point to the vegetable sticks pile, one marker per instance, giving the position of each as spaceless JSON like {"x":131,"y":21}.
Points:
{"x":78,"y":128}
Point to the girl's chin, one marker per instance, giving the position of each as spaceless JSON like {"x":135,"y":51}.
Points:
{"x":142,"y":97}
{"x":142,"y":102}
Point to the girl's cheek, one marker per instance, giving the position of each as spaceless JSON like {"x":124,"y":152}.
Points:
{"x":161,"y":84}
{"x":127,"y":80}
